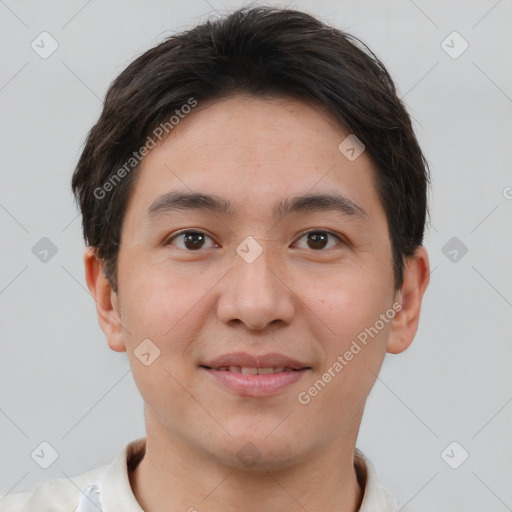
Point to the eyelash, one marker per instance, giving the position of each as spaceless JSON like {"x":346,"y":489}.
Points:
{"x":196,"y":232}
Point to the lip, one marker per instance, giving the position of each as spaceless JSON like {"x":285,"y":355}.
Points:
{"x":255,"y":385}
{"x":269,"y":360}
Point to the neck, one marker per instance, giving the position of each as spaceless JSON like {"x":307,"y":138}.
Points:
{"x":173,"y":476}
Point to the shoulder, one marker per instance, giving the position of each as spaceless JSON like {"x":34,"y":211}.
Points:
{"x":55,"y":495}
{"x":64,"y":494}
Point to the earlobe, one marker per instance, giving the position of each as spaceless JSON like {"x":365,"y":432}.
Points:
{"x":107,"y":303}
{"x":405,"y":322}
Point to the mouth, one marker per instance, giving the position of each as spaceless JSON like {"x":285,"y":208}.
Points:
{"x":247,"y":370}
{"x":254,"y":376}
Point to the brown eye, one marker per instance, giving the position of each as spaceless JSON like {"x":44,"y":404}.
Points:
{"x":318,"y":240}
{"x":190,"y":240}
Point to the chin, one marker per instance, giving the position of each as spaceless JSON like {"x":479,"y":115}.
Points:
{"x":266,"y":451}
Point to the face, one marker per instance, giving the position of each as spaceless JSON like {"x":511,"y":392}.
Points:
{"x":258,"y":279}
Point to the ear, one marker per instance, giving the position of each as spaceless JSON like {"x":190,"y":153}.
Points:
{"x":107,"y":302}
{"x":405,"y":322}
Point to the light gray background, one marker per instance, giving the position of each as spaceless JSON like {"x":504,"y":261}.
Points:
{"x":60,"y":383}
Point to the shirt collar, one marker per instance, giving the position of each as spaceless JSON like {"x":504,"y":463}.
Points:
{"x":376,"y":497}
{"x":115,"y":489}
{"x":117,"y":495}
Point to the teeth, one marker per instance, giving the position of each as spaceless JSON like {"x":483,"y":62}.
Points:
{"x":249,"y":371}
{"x":246,"y":370}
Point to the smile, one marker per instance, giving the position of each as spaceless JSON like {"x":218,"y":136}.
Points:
{"x":254,"y":382}
{"x":246,"y":370}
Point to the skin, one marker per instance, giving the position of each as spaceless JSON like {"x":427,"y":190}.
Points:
{"x":306,"y":303}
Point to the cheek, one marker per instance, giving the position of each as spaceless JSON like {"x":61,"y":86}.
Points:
{"x":160,"y":298}
{"x":167,"y":307}
{"x":162,"y":307}
{"x":355,"y":344}
{"x":352,"y":362}
{"x":348,"y":304}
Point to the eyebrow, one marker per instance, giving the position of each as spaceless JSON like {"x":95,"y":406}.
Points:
{"x":182,"y":201}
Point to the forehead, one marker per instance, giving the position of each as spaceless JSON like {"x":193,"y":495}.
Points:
{"x":254,"y":152}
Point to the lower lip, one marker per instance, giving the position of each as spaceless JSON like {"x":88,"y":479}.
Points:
{"x":255,"y":385}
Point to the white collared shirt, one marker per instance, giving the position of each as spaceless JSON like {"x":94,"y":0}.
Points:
{"x":107,"y":488}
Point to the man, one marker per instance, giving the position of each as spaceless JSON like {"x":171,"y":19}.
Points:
{"x":253,"y":201}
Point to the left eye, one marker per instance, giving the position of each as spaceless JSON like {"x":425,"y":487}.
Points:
{"x":318,"y":240}
{"x":194,"y":240}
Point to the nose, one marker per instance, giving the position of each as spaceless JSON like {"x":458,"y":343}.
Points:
{"x":255,"y":294}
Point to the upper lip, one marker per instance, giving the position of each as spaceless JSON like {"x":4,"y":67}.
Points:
{"x":243,"y":359}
